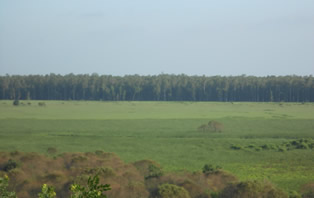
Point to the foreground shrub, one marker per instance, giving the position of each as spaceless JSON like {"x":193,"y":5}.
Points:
{"x":11,"y":164}
{"x":4,"y":193}
{"x":93,"y":189}
{"x":172,"y":191}
{"x":47,"y":192}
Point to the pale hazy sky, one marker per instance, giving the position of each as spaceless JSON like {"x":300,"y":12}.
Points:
{"x":194,"y":37}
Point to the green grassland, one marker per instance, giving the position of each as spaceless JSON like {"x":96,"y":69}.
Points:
{"x":167,"y":133}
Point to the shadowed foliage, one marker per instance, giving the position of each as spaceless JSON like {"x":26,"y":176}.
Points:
{"x":251,"y":189}
{"x":308,"y":190}
{"x":172,"y":191}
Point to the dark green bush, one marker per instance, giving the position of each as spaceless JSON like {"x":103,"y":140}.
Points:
{"x":286,"y":146}
{"x":16,"y":102}
{"x":250,"y":189}
{"x":251,"y":146}
{"x":268,"y":147}
{"x":41,"y":104}
{"x":210,"y":169}
{"x":154,"y":171}
{"x":282,"y":149}
{"x":302,"y":145}
{"x":236,"y":147}
{"x":294,"y":194}
{"x":9,"y":165}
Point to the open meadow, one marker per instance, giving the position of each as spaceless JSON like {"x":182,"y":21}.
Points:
{"x":272,"y":141}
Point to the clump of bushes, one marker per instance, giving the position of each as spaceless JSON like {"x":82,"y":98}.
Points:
{"x":154,"y":171}
{"x":41,"y":104}
{"x":282,"y":149}
{"x":149,"y":169}
{"x":302,"y":143}
{"x":251,"y":146}
{"x":210,"y":169}
{"x":294,"y":144}
{"x":236,"y":147}
{"x":298,"y":144}
{"x":9,"y":165}
{"x":268,"y":147}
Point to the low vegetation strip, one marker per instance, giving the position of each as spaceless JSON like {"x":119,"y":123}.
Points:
{"x":143,"y":178}
{"x":286,"y":146}
{"x":100,"y":174}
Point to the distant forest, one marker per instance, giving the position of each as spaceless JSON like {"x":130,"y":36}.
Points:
{"x":163,"y":87}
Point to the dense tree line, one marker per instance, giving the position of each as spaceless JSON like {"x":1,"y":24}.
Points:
{"x":161,"y":87}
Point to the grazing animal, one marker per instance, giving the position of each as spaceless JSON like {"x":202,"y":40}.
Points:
{"x":203,"y":127}
{"x":215,"y":126}
{"x":212,"y":126}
